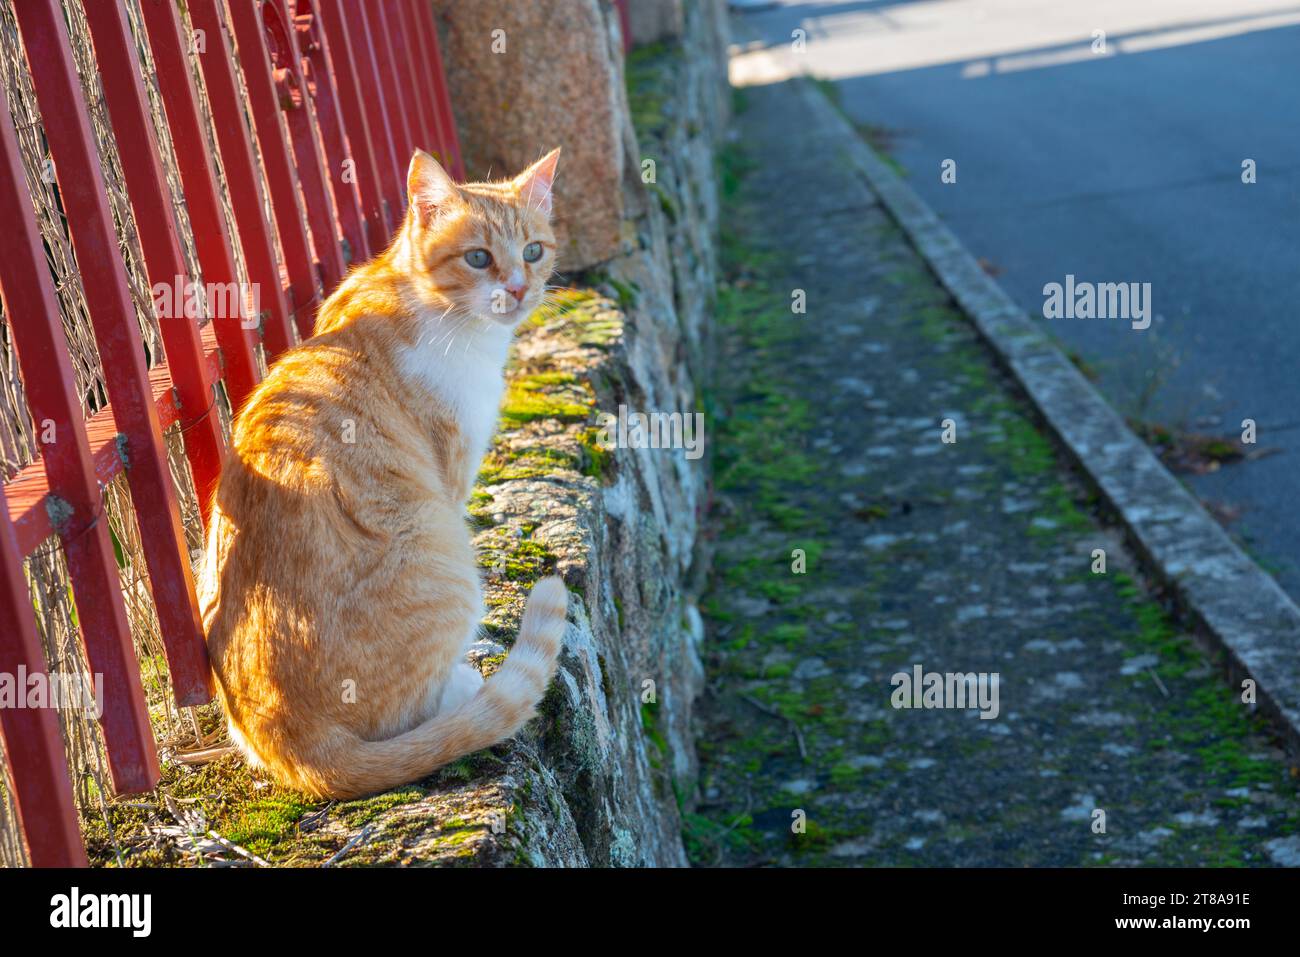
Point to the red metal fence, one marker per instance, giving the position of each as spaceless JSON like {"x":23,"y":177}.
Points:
{"x":339,"y":93}
{"x":624,"y":24}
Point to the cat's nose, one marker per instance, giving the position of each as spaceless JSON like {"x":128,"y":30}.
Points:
{"x":516,"y":285}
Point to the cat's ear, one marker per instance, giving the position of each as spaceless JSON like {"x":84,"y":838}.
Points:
{"x":534,"y":184}
{"x":428,"y":187}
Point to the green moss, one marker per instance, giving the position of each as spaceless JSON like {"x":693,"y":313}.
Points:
{"x":480,"y":508}
{"x":561,"y":303}
{"x":547,"y":395}
{"x":1202,"y":716}
{"x":539,"y":379}
{"x":706,"y":839}
{"x":361,"y":812}
{"x":260,"y":817}
{"x":582,"y":315}
{"x":504,"y":465}
{"x":650,"y":725}
{"x":260,"y":825}
{"x":781,"y":591}
{"x":517,"y":560}
{"x":1024,"y":447}
{"x":762,"y":447}
{"x":629,"y":293}
{"x":471,"y":767}
{"x":648,"y":73}
{"x":789,"y":634}
{"x":844,"y":773}
{"x":599,"y":461}
{"x":817,"y":837}
{"x":666,"y":203}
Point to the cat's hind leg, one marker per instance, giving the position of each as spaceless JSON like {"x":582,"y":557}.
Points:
{"x":462,"y":683}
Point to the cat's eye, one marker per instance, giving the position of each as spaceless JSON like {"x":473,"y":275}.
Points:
{"x":532,"y":252}
{"x":479,"y":258}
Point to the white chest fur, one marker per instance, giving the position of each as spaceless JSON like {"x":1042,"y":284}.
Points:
{"x":466,"y":375}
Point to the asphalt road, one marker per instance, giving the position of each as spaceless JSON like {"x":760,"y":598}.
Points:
{"x":1122,"y":166}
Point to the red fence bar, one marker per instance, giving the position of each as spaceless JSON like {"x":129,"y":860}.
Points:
{"x":319,"y":74}
{"x":285,"y":71}
{"x":42,"y":348}
{"x":27,"y":492}
{"x":624,"y":24}
{"x":120,"y":73}
{"x":355,"y":115}
{"x":237,"y":159}
{"x":411,"y":63}
{"x":392,"y":168}
{"x":421,"y":61}
{"x":448,"y":142}
{"x":198,"y":178}
{"x":282,"y":181}
{"x":32,"y":743}
{"x":84,"y":197}
{"x":396,"y":90}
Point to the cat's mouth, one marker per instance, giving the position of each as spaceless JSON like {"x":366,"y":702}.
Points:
{"x":508,"y":310}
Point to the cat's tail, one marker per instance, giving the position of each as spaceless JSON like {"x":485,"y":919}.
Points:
{"x":497,"y":711}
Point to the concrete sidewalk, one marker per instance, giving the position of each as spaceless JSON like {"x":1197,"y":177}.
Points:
{"x":855,"y":544}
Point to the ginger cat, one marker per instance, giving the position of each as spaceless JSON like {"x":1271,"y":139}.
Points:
{"x":340,"y":589}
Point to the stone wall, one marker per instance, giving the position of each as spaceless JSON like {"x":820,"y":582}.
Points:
{"x":599,"y":777}
{"x":655,"y":21}
{"x":527,"y":77}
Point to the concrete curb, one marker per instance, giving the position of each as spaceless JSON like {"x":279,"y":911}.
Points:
{"x":1238,"y":607}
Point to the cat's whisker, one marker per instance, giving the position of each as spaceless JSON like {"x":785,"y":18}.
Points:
{"x":438,"y":322}
{"x":459,"y":322}
{"x":446,"y":333}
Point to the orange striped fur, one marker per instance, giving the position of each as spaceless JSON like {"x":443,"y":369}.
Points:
{"x":340,"y":588}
